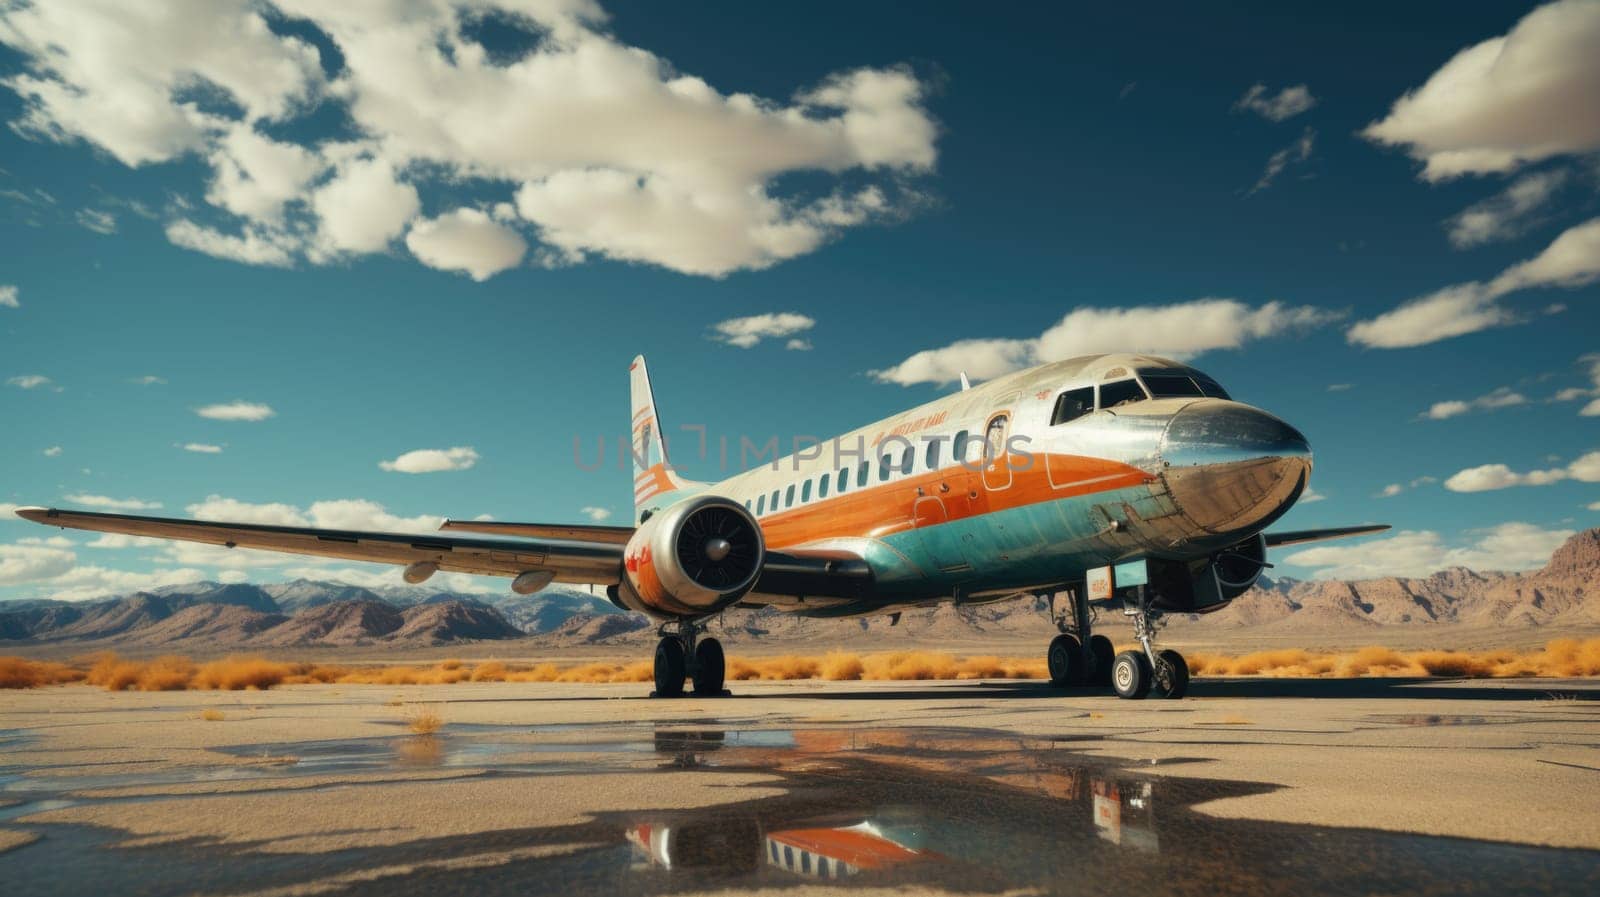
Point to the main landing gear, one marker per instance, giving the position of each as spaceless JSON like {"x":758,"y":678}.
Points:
{"x":683,"y":654}
{"x":1077,"y":658}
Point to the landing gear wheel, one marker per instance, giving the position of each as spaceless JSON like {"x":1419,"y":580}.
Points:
{"x":1131,"y":675}
{"x":670,"y":668}
{"x":1103,"y":654}
{"x":1172,"y":677}
{"x":710,"y":665}
{"x":1066,"y":661}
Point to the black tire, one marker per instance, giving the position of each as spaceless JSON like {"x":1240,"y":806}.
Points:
{"x":710,"y":667}
{"x":1130,"y":675}
{"x":1065,"y":659}
{"x":1103,"y":654}
{"x":670,"y":668}
{"x":1173,"y":680}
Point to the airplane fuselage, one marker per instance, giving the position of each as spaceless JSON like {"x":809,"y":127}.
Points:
{"x":1022,"y":484}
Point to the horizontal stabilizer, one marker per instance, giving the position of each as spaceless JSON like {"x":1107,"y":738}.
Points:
{"x":1275,"y":540}
{"x":571,"y":532}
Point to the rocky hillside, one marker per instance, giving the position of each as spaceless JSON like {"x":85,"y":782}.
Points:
{"x":307,"y":612}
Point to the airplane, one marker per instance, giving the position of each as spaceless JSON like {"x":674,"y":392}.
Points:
{"x":1119,"y":479}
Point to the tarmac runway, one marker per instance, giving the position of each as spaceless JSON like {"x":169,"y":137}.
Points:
{"x":1248,"y":786}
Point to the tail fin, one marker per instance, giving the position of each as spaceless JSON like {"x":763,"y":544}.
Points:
{"x":655,"y":485}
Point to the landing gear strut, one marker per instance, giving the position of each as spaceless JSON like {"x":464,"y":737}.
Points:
{"x":683,"y":653}
{"x":1135,"y":674}
{"x":1076,"y":657}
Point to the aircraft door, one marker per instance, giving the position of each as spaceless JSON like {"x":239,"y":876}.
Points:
{"x":996,"y":465}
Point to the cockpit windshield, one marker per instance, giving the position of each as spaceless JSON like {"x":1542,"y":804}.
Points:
{"x":1166,"y":383}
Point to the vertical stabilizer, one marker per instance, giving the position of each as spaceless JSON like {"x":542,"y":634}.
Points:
{"x":655,"y":485}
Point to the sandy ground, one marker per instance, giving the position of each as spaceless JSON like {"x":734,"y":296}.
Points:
{"x":315,"y":770}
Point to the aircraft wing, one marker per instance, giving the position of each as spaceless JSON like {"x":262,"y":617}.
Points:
{"x":1275,"y":540}
{"x":570,"y":532}
{"x":572,"y":561}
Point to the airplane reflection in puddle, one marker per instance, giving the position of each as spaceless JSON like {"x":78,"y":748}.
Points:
{"x":817,"y":842}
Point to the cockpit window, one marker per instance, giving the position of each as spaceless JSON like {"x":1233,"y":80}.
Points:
{"x":1122,"y":392}
{"x":1072,"y":404}
{"x":1169,"y":384}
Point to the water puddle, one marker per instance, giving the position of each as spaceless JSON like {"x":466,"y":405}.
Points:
{"x":1437,"y":719}
{"x":966,"y":811}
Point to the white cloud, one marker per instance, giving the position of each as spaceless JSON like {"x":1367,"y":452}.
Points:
{"x":251,"y":246}
{"x":595,"y":514}
{"x":1507,"y":214}
{"x":610,"y":150}
{"x":1391,"y":490}
{"x":799,"y":345}
{"x":29,"y":381}
{"x":123,"y":76}
{"x":1414,"y":553}
{"x":148,"y":380}
{"x":363,"y":208}
{"x":82,"y":583}
{"x":1594,"y":506}
{"x":461,"y":457}
{"x":345,"y":514}
{"x":1340,"y":387}
{"x":203,"y":448}
{"x":31,"y":563}
{"x":8,"y":296}
{"x":1571,"y":260}
{"x":1181,"y":330}
{"x":236,"y":410}
{"x":1510,"y":100}
{"x":112,"y":504}
{"x":748,"y":331}
{"x":372,"y":576}
{"x":1504,"y":397}
{"x":466,"y":240}
{"x":1293,"y":154}
{"x":1284,"y":105}
{"x":1487,"y":477}
{"x":1311,"y":495}
{"x":97,"y":221}
{"x":53,"y":451}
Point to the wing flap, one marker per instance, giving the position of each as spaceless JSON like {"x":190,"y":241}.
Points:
{"x":597,"y":562}
{"x":1275,"y":540}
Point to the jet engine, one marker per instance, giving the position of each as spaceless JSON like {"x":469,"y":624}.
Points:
{"x":691,"y":560}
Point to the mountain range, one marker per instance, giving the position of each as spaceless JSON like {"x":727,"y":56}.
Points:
{"x":308,"y":612}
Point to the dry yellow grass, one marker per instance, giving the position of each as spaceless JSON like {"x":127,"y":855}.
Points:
{"x":1559,"y":658}
{"x":424,"y":719}
{"x":212,"y":715}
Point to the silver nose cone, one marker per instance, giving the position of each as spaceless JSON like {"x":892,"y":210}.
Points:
{"x":1230,"y":467}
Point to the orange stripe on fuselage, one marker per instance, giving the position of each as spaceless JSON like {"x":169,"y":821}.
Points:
{"x":860,"y":849}
{"x":882,"y":509}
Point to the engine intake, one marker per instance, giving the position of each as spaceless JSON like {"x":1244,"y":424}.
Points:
{"x":691,"y":560}
{"x":1206,"y":584}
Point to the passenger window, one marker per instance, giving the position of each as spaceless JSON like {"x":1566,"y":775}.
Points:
{"x":747,"y":504}
{"x":775,"y":500}
{"x":908,"y":459}
{"x":788,"y":497}
{"x":861,"y":473}
{"x":958,"y":446}
{"x":844,"y":480}
{"x":883,"y":468}
{"x":994,"y":438}
{"x":805,"y":492}
{"x":761,"y":506}
{"x":1072,"y":404}
{"x":822,"y":486}
{"x":933,"y":453}
{"x":1122,"y":392}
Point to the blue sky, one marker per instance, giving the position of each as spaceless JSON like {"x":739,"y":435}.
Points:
{"x":453,"y":231}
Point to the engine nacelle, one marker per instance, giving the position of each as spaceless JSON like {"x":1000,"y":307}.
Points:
{"x":1207,"y":584}
{"x":691,"y":560}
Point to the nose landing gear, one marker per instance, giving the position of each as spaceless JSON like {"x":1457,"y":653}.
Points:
{"x":1136,"y":673}
{"x":683,"y":654}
